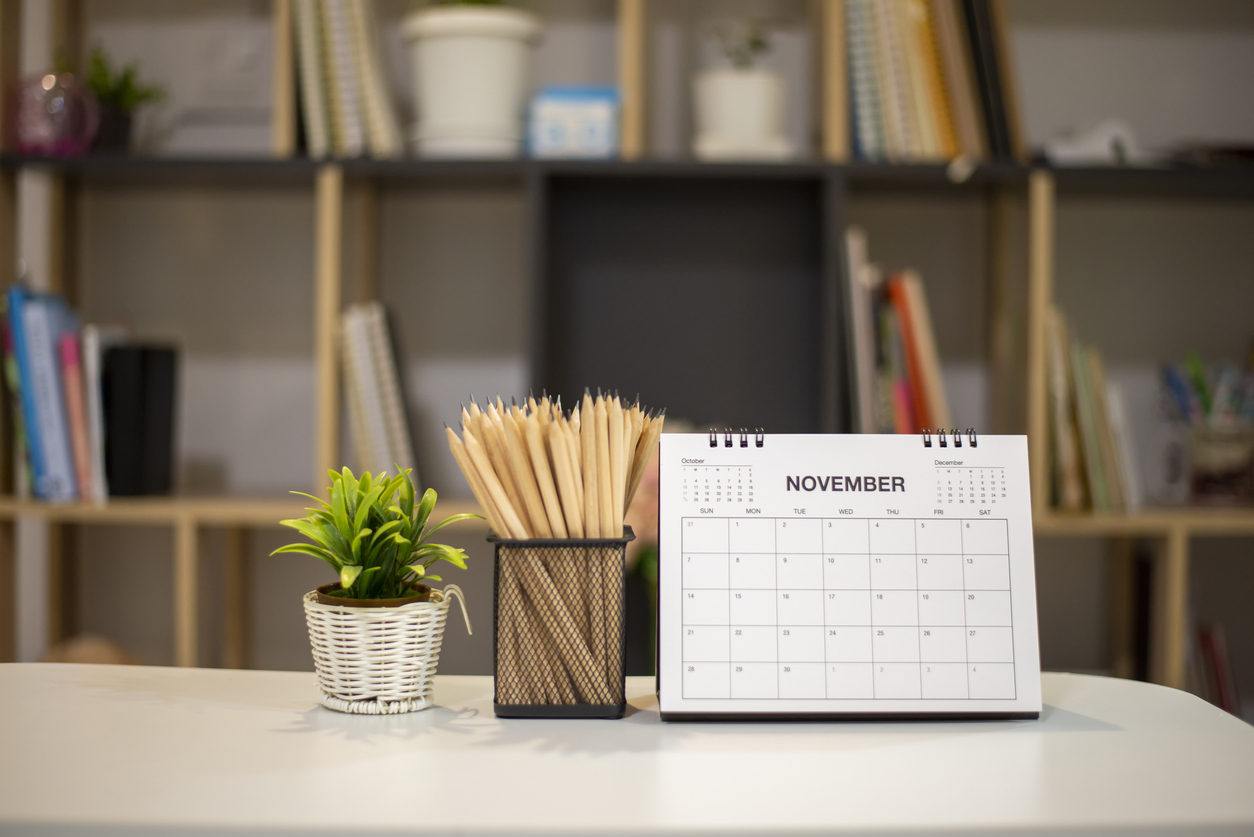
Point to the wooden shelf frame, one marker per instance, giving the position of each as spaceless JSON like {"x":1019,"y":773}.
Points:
{"x":327,"y":180}
{"x":1173,"y":528}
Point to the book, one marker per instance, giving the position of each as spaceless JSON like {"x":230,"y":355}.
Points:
{"x":899,"y":137}
{"x":371,"y":440}
{"x":920,"y":414}
{"x":13,"y":391}
{"x":1009,"y":92}
{"x":347,"y":135}
{"x":95,"y":342}
{"x":44,"y":319}
{"x":862,"y":325}
{"x":312,"y":69}
{"x":391,"y":401}
{"x":1068,"y":482}
{"x":156,"y":462}
{"x":908,"y":22}
{"x":959,"y":77}
{"x":1106,"y":445}
{"x":1125,"y":449}
{"x":932,"y":384}
{"x":863,"y":73}
{"x":383,"y":131}
{"x":138,"y":386}
{"x":122,"y":386}
{"x":1086,"y":409}
{"x":984,"y":59}
{"x":926,"y":39}
{"x":76,"y":413}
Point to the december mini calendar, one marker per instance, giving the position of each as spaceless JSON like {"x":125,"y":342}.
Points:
{"x":809,"y":576}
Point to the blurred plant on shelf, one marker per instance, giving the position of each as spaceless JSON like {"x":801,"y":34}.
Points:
{"x":740,"y":107}
{"x":120,"y":94}
{"x":742,"y":41}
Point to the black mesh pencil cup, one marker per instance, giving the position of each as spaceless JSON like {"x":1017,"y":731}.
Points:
{"x":559,"y":627}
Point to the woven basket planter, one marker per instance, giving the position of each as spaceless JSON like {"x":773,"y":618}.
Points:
{"x":379,"y":660}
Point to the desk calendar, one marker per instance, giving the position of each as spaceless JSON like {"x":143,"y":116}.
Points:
{"x":813,"y":576}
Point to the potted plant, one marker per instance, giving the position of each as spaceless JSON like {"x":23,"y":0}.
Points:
{"x":740,"y":108}
{"x":376,"y":632}
{"x":471,"y":64}
{"x":120,"y":94}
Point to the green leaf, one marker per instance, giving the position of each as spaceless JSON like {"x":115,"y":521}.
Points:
{"x":364,"y":533}
{"x":366,"y":505}
{"x":339,"y":510}
{"x":308,"y":549}
{"x":324,"y":503}
{"x":348,"y":574}
{"x":417,"y":569}
{"x":407,"y":495}
{"x":424,"y":513}
{"x":450,"y":519}
{"x":351,"y":488}
{"x":432,"y":578}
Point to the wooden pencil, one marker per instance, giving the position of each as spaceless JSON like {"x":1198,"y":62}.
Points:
{"x":572,"y":506}
{"x":618,"y":479}
{"x":544,"y":476}
{"x":525,"y":477}
{"x":605,"y":496}
{"x":483,"y":466}
{"x":476,"y":485}
{"x":588,"y":456}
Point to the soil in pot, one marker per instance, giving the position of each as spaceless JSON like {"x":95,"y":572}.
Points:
{"x":422,"y":593}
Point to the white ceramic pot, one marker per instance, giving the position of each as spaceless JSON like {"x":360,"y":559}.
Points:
{"x":740,"y":115}
{"x":471,"y":70}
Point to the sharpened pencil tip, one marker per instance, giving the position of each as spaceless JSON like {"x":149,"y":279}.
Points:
{"x":587,"y":391}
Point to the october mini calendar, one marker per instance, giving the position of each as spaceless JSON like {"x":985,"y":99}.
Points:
{"x":810,"y":576}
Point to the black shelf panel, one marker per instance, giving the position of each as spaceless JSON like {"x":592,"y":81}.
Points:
{"x":859,"y":176}
{"x":121,"y":167}
{"x":1136,"y":181}
{"x":703,"y":295}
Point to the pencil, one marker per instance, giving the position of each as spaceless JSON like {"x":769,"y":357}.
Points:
{"x":572,"y":506}
{"x":605,"y":497}
{"x":588,"y":455}
{"x":544,"y":476}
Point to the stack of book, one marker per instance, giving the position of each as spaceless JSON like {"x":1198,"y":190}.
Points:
{"x":897,"y":366}
{"x":92,"y":415}
{"x":930,"y":80}
{"x":1092,"y":457}
{"x":346,"y":105}
{"x":376,"y":406}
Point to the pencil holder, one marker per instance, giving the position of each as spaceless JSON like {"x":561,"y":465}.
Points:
{"x":559,"y":627}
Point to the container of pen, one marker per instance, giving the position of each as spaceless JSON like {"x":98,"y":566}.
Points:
{"x":559,"y":627}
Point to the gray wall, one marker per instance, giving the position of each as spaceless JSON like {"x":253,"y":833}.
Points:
{"x":228,"y":271}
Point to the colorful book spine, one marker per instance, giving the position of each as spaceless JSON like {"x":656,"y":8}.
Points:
{"x":18,"y":299}
{"x":76,"y":413}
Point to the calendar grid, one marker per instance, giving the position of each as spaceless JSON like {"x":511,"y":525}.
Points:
{"x":745,"y":576}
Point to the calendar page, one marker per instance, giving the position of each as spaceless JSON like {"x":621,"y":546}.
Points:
{"x":845,"y":575}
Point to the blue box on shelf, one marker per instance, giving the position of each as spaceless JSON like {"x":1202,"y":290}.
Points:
{"x":574,"y":122}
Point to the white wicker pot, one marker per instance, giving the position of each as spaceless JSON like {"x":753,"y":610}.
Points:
{"x":378,"y":660}
{"x":471,"y":69}
{"x":740,"y":115}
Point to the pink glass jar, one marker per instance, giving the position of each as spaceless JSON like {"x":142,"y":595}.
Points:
{"x":55,"y":115}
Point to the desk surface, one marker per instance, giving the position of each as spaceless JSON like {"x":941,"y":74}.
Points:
{"x":126,"y":749}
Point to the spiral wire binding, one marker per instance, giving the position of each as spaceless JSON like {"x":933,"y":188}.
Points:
{"x":760,"y":434}
{"x":927,"y":438}
{"x":971,"y":435}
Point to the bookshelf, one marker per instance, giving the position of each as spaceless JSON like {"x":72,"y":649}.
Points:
{"x":826,"y":183}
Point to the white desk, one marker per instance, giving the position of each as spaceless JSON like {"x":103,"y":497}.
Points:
{"x":127,"y":750}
